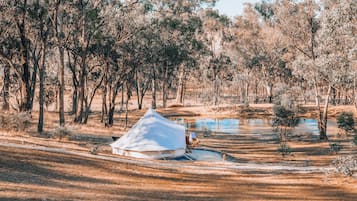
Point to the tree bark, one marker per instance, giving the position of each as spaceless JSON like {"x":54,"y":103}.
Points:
{"x":216,"y":90}
{"x":164,"y":87}
{"x":6,"y":87}
{"x":181,"y":87}
{"x":139,"y":90}
{"x":104,"y":101}
{"x":270,"y":92}
{"x":153,"y":89}
{"x":61,"y":86}
{"x":81,"y":88}
{"x":41,"y":92}
{"x":323,"y":122}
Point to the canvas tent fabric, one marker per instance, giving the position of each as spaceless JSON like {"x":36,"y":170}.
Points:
{"x":153,"y":137}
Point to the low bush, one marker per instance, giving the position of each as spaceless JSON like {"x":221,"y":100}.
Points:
{"x":15,"y":122}
{"x":284,"y":149}
{"x":346,"y":165}
{"x":335,"y":147}
{"x":346,"y":122}
{"x":355,"y":139}
{"x":62,"y":132}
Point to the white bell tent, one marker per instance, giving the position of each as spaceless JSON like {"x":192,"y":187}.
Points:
{"x":152,"y":137}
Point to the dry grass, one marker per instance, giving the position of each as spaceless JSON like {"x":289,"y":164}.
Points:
{"x":39,"y":175}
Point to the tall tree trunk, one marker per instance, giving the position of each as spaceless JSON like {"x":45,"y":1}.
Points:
{"x":323,"y":122}
{"x":128,"y":95}
{"x":216,"y":90}
{"x":41,"y":92}
{"x":246,"y":94}
{"x":72,"y":67}
{"x":318,"y":108}
{"x":104,"y":101}
{"x":33,"y":83}
{"x":88,"y":103}
{"x":270,"y":92}
{"x":256,"y":99}
{"x":61,"y":86}
{"x":164,"y":87}
{"x":74,"y":99}
{"x":181,"y":87}
{"x":6,"y":87}
{"x":24,"y":52}
{"x":81,"y":88}
{"x":111,"y":111}
{"x":138,"y":89}
{"x":153,"y":89}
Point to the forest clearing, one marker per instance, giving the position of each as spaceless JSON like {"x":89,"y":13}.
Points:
{"x":34,"y":167}
{"x":175,"y":100}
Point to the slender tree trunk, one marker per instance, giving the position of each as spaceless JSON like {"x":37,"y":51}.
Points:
{"x":112,"y":108}
{"x":164,"y":87}
{"x":81,"y":88}
{"x":72,"y":67}
{"x":181,"y":87}
{"x":74,"y":99}
{"x":122,"y":98}
{"x":216,"y":90}
{"x":270,"y":92}
{"x":61,"y":86}
{"x":256,"y":99}
{"x":153,"y":90}
{"x":246,"y":93}
{"x":88,"y":104}
{"x":25,"y":79}
{"x":323,"y":133}
{"x":138,"y":89}
{"x":33,"y":83}
{"x":128,"y":95}
{"x":41,"y":92}
{"x":6,"y":87}
{"x":104,"y":102}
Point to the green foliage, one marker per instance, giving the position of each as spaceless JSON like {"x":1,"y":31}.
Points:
{"x":284,"y":149}
{"x":346,"y":122}
{"x":284,"y":117}
{"x":335,"y":147}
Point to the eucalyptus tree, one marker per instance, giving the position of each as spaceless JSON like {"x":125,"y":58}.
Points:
{"x":299,"y":24}
{"x":246,"y":47}
{"x":179,"y":26}
{"x":118,"y":47}
{"x":337,"y":39}
{"x":216,"y":28}
{"x":87,"y":28}
{"x":42,"y":33}
{"x":16,"y":44}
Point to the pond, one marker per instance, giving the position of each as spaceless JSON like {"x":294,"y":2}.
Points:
{"x":241,"y":126}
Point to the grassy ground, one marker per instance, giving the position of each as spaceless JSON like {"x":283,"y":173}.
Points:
{"x":30,"y":174}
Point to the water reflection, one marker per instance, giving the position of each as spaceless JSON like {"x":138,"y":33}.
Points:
{"x":249,"y":126}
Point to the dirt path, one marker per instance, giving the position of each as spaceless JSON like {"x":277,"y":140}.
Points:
{"x":187,"y":167}
{"x":40,"y":173}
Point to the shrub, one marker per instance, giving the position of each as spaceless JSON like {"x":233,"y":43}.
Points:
{"x":346,"y":122}
{"x":15,"y":122}
{"x":284,"y":117}
{"x":346,"y":165}
{"x":335,"y":147}
{"x":284,"y":149}
{"x":355,"y":139}
{"x":284,"y":120}
{"x":61,"y":132}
